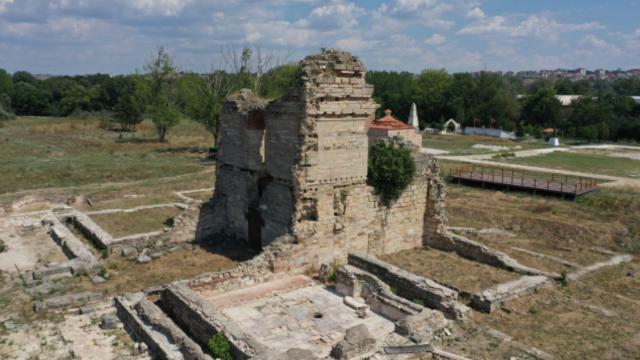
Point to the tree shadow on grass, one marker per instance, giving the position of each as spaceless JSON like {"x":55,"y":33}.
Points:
{"x":137,"y":140}
{"x":183,"y":150}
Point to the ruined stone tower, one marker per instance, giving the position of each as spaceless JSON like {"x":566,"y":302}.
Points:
{"x":297,"y":166}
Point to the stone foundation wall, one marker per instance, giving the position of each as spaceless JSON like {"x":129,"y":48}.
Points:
{"x":201,"y":322}
{"x":411,"y":286}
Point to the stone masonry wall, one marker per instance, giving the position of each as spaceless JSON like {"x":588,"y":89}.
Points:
{"x":298,"y":166}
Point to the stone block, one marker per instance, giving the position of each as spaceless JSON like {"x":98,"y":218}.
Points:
{"x":357,"y":341}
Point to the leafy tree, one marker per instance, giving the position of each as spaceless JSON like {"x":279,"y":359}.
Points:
{"x":462,"y":97}
{"x":165,"y":115}
{"x":432,"y":88}
{"x":24,"y":76}
{"x":391,"y":169}
{"x":582,"y":87}
{"x":6,"y":83}
{"x":395,"y":91}
{"x":29,"y":100}
{"x":564,"y":87}
{"x":538,"y":85}
{"x":75,"y":98}
{"x":5,"y":114}
{"x":130,"y":109}
{"x":220,"y":347}
{"x":163,"y":109}
{"x":542,"y":108}
{"x":277,"y":81}
{"x":587,"y":115}
{"x":629,"y":87}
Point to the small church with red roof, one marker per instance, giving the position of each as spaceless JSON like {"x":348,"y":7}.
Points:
{"x":389,"y":127}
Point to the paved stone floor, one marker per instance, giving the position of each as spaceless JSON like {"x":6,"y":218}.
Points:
{"x":311,"y":317}
{"x":28,"y":249}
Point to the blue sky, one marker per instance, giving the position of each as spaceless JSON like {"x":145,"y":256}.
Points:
{"x":119,"y":36}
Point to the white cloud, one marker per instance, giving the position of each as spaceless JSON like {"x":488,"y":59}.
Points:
{"x":595,"y":42}
{"x":496,"y":24}
{"x":534,"y":25}
{"x":435,"y":39}
{"x":160,"y":7}
{"x":280,"y":32}
{"x":430,"y":13}
{"x":475,"y":13}
{"x":597,"y":46}
{"x":356,"y":44}
{"x":413,"y":5}
{"x":337,"y":13}
{"x":4,"y":4}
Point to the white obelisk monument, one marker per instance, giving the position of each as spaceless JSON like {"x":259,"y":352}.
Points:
{"x":413,"y":117}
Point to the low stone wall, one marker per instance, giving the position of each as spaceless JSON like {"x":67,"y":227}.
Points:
{"x":153,"y":315}
{"x":491,"y":299}
{"x":82,"y":260}
{"x":476,"y":251}
{"x":125,"y":311}
{"x":201,"y":321}
{"x":141,"y":241}
{"x":281,"y":257}
{"x":93,"y":232}
{"x":351,"y":281}
{"x":412,"y":287}
{"x":62,"y":301}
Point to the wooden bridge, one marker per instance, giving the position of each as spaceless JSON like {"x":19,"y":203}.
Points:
{"x":553,"y":184}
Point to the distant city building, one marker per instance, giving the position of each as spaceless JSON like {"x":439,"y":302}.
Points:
{"x":576,"y":74}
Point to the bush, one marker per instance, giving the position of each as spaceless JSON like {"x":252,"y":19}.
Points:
{"x":3,"y":247}
{"x":220,"y":347}
{"x":391,"y":169}
{"x":5,"y":114}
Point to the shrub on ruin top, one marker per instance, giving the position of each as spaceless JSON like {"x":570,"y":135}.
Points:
{"x":391,"y":169}
{"x":220,"y":347}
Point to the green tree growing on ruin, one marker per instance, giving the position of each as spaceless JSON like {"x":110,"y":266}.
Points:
{"x":162,"y":108}
{"x":391,"y":169}
{"x":220,"y":347}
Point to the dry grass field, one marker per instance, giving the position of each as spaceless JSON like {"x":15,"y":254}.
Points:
{"x":60,"y":152}
{"x":76,"y":162}
{"x":593,"y":317}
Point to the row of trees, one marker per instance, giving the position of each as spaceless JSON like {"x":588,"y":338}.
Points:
{"x":605,"y":112}
{"x":159,"y":92}
{"x":485,"y":99}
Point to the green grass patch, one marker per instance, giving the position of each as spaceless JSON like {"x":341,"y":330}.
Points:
{"x":220,"y":347}
{"x":588,"y":163}
{"x":138,"y":222}
{"x":463,"y":144}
